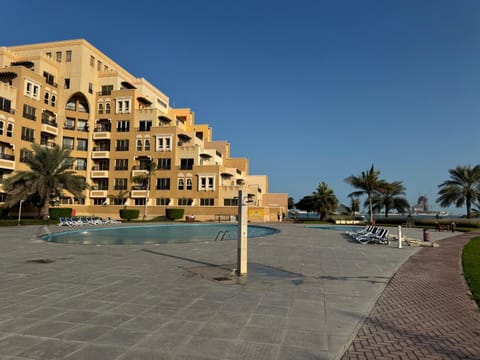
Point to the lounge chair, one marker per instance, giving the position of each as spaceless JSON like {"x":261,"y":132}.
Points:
{"x":381,"y":237}
{"x":367,"y":229}
{"x":63,"y":222}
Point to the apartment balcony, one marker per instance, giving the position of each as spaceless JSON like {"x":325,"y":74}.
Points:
{"x":98,"y":193}
{"x":49,"y":129}
{"x":99,"y":174}
{"x":7,"y":162}
{"x":102,"y":133}
{"x":139,"y":194}
{"x":100,"y":154}
{"x":137,"y":172}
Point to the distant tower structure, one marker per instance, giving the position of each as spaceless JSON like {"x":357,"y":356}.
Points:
{"x":422,"y":204}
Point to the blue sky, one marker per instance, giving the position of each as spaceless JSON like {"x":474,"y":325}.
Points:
{"x":308,"y":91}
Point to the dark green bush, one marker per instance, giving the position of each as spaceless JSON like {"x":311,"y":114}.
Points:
{"x":471,"y":267}
{"x":57,"y":213}
{"x":129,"y":214}
{"x":174,"y":214}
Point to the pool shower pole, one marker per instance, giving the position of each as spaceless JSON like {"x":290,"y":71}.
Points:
{"x":242,"y":236}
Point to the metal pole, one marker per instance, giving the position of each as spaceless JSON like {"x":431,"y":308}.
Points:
{"x":20,"y":212}
{"x":242,"y":235}
{"x":399,"y":237}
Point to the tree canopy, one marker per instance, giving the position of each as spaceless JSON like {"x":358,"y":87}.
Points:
{"x":49,"y":176}
{"x":462,"y":189}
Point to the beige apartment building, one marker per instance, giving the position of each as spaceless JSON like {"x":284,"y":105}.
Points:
{"x":116,"y":125}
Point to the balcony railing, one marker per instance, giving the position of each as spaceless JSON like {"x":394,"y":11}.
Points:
{"x":103,"y":129}
{"x":7,"y":157}
{"x":101,"y":148}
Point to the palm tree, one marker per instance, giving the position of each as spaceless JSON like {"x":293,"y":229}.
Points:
{"x":389,"y":196}
{"x":354,"y":204}
{"x":146,"y":180}
{"x":368,"y":183}
{"x":325,"y":200}
{"x":48,"y":177}
{"x":463,"y":188}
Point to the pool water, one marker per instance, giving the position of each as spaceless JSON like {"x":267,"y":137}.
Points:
{"x":154,"y":234}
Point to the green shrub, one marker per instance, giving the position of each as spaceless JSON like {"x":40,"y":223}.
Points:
{"x":174,"y":214}
{"x":57,"y":213}
{"x":129,"y":214}
{"x":471,"y":267}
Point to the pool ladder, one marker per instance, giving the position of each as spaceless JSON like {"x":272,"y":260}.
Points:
{"x":221,"y":235}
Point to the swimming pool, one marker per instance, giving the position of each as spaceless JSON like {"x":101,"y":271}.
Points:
{"x":336,"y":227}
{"x":154,"y":234}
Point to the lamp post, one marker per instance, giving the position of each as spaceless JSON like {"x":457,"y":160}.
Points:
{"x":242,"y":237}
{"x":20,"y":212}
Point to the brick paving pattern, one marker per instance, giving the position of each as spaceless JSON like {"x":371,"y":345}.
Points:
{"x":425,"y":312}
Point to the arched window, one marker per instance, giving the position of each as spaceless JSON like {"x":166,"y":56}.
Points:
{"x":10,"y":130}
{"x":181,"y":184}
{"x":107,"y":108}
{"x":1,"y":127}
{"x":100,"y":108}
{"x":147,"y":144}
{"x":139,"y":144}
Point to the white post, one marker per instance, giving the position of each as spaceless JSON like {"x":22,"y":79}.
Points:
{"x":399,"y":237}
{"x":242,"y":235}
{"x":20,"y":212}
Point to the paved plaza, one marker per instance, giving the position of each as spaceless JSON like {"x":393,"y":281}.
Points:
{"x":307,"y":294}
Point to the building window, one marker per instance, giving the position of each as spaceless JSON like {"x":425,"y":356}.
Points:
{"x":67,"y":143}
{"x":206,"y":183}
{"x":28,"y":134}
{"x":82,"y":125}
{"x":90,"y":88}
{"x":119,"y":201}
{"x":82,"y":144}
{"x":66,"y":84}
{"x":121,"y":164}
{"x":164,"y":143}
{"x":207,"y":202}
{"x":81,"y":164}
{"x":69,"y":124}
{"x":107,"y":108}
{"x":10,"y":130}
{"x":29,"y":112}
{"x":164,"y":164}
{"x":230,"y":202}
{"x":189,"y":183}
{"x":99,"y":65}
{"x":46,"y":97}
{"x":24,"y":154}
{"x":163,"y":184}
{"x":100,"y":108}
{"x":120,"y":184}
{"x":54,"y":100}
{"x":122,"y":106}
{"x":32,"y":90}
{"x":106,"y":90}
{"x":185,"y":201}
{"x":49,"y":78}
{"x":5,"y":104}
{"x":145,"y":125}
{"x":123,"y":125}
{"x":58,"y":56}
{"x":122,"y":145}
{"x":92,"y":61}
{"x":181,"y":184}
{"x":140,"y":201}
{"x":68,"y":57}
{"x":101,"y":184}
{"x":48,"y":54}
{"x":147,"y":145}
{"x":139,"y":144}
{"x":99,"y":201}
{"x":186,"y":164}
{"x":2,"y":124}
{"x":163,"y":201}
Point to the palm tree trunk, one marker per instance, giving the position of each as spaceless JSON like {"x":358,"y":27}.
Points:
{"x":370,"y":208}
{"x":44,"y":213}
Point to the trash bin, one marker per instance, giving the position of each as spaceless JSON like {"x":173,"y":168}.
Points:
{"x":426,"y":235}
